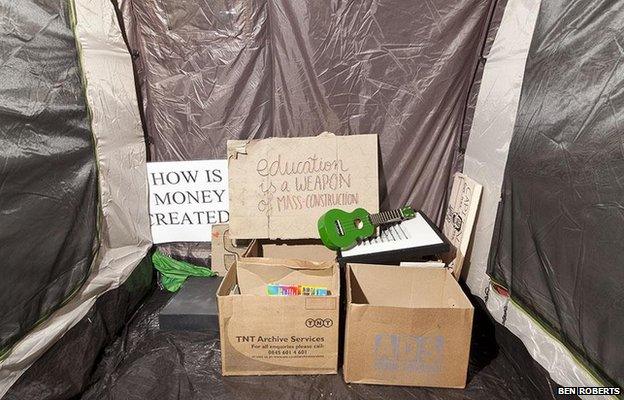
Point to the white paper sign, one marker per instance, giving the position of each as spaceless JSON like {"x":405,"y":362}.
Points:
{"x":186,"y":199}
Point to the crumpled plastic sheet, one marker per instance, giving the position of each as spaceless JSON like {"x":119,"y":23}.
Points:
{"x":558,"y":238}
{"x":65,"y":369}
{"x":239,"y":69}
{"x":146,"y":363}
{"x":60,"y":153}
{"x":485,"y":159}
{"x":48,"y":181}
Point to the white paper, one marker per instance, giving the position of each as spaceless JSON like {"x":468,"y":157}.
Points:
{"x":186,"y":199}
{"x":423,"y":264}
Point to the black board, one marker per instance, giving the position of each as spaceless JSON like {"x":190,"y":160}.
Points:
{"x":193,"y":308}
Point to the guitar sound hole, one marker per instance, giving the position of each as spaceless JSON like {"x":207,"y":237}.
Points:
{"x":339,"y":228}
{"x":359,"y":224}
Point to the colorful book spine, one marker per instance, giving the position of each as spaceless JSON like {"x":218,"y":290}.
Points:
{"x":296,"y":290}
{"x":313,"y":291}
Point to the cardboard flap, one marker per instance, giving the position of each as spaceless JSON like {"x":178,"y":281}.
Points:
{"x":289,"y":263}
{"x":225,"y":251}
{"x":279,"y":187}
{"x":311,"y":250}
{"x":409,"y":287}
{"x":254,"y":274}
{"x":228,"y":283}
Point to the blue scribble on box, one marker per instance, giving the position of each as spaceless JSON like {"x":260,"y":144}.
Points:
{"x":408,"y":353}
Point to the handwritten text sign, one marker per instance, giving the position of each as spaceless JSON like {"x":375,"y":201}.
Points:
{"x":281,"y":186}
{"x":461,"y":214}
{"x":186,"y":199}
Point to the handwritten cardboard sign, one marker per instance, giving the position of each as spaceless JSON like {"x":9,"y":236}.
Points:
{"x":186,"y":199}
{"x":461,"y":214}
{"x":279,"y":187}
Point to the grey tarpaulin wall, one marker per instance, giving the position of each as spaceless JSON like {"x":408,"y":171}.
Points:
{"x":485,"y":159}
{"x":240,"y":69}
{"x":48,"y":183}
{"x":558,"y":239}
{"x":58,"y":59}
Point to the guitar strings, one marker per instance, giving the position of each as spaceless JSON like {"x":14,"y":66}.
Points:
{"x":349,"y":229}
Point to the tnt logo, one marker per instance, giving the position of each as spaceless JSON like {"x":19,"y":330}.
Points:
{"x":422,"y":354}
{"x":319,"y":322}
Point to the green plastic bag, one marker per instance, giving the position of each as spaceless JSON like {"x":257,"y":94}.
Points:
{"x":173,"y":273}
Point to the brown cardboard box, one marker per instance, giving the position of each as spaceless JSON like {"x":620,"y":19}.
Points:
{"x":406,"y":326}
{"x":279,"y":187}
{"x":278,"y":335}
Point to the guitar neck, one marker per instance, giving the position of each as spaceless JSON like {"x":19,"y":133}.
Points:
{"x":386,"y":217}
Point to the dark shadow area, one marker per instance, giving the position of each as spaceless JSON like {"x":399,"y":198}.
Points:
{"x":71,"y":364}
{"x":483,"y":346}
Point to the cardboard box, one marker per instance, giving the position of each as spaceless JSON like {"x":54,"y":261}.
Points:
{"x":278,"y":335}
{"x":311,"y":250}
{"x":406,"y":326}
{"x":279,"y":187}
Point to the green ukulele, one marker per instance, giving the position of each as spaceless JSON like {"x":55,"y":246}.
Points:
{"x":341,"y":230}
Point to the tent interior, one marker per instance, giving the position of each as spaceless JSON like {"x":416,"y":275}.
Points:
{"x":526,"y":97}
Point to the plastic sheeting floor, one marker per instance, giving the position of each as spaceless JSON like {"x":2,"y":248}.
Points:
{"x":146,"y":363}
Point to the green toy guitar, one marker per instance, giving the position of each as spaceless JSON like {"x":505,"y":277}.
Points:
{"x":341,"y":230}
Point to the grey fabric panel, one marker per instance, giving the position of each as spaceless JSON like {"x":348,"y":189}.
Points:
{"x":66,"y":369}
{"x":558,"y":238}
{"x":48,"y":183}
{"x":120,"y":150}
{"x":253,"y":69}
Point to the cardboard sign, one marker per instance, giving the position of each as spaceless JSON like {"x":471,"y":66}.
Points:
{"x":279,"y":187}
{"x":461,"y":214}
{"x":186,"y":199}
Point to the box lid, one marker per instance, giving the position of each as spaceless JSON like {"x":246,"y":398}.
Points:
{"x":279,"y":187}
